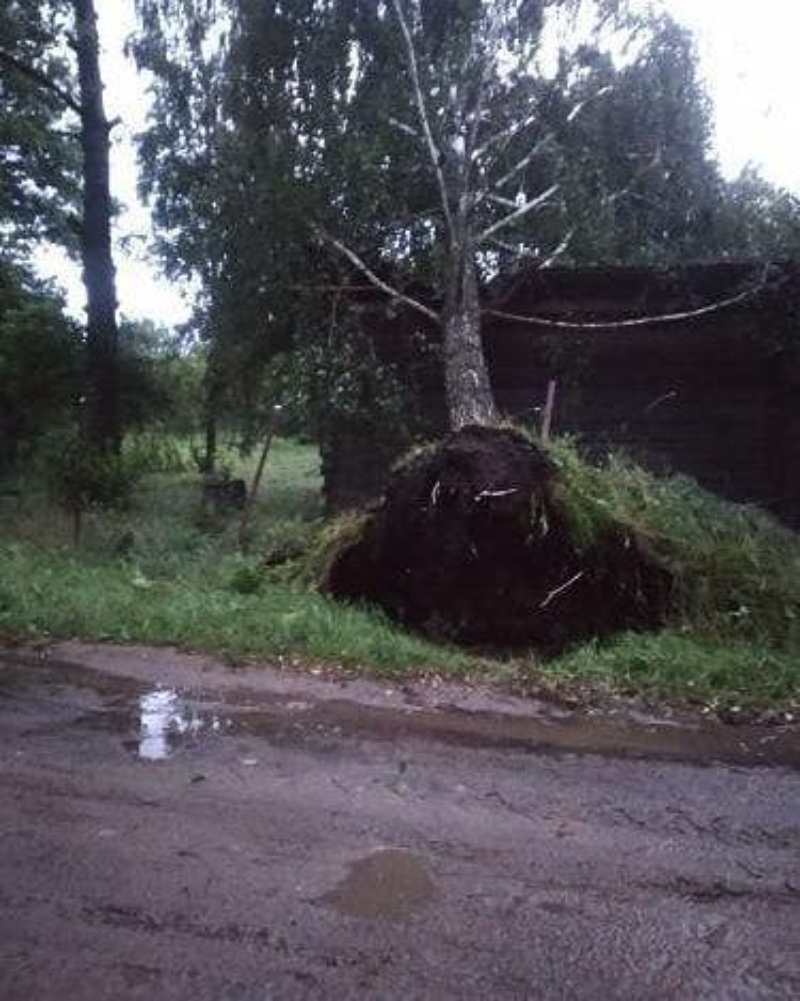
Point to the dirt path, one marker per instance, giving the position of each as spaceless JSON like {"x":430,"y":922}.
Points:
{"x":171,"y":829}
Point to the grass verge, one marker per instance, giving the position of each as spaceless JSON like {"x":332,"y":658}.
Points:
{"x":182,"y":582}
{"x":735,"y":639}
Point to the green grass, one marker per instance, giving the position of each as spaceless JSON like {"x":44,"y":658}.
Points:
{"x":685,"y":666}
{"x":736,"y":569}
{"x":61,"y":595}
{"x":183,"y":582}
{"x":734,"y":639}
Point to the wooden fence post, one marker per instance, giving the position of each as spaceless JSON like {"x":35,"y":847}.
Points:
{"x":250,"y":500}
{"x":547,"y":416}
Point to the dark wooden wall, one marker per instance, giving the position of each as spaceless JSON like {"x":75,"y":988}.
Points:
{"x":715,"y":397}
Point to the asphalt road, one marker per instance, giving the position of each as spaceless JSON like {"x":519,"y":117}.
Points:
{"x":170,"y":829}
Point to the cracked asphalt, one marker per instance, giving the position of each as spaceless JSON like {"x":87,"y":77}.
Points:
{"x":170,"y":829}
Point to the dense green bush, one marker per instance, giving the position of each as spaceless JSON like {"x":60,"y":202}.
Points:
{"x":40,"y":364}
{"x":82,"y":477}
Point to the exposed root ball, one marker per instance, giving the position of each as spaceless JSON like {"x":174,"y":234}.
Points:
{"x":474,"y":542}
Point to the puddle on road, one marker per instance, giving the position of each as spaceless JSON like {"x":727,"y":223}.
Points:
{"x":390,"y":884}
{"x":156,"y":720}
{"x":167,"y":723}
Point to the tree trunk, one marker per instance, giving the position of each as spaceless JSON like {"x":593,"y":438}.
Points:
{"x":211,"y":393}
{"x":103,"y":425}
{"x":210,"y":451}
{"x":469,"y":392}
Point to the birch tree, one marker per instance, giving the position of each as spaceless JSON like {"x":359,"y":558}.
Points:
{"x":482,"y":117}
{"x":425,"y":143}
{"x":475,"y":119}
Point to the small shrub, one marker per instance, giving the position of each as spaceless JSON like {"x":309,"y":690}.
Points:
{"x":247,"y":576}
{"x":83,"y":477}
{"x":156,"y":451}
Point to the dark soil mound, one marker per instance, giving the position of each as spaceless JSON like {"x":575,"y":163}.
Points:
{"x":473,"y":542}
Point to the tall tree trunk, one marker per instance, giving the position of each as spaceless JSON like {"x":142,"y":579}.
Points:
{"x":210,"y":449}
{"x":211,"y":400}
{"x":469,"y":392}
{"x":103,"y":424}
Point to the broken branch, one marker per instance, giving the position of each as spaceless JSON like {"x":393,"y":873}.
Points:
{"x":374,"y":279}
{"x":641,"y":321}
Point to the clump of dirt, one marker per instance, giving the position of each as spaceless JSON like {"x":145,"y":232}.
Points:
{"x":473,"y":541}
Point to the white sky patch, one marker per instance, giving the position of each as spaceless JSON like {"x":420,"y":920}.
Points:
{"x":747,"y":61}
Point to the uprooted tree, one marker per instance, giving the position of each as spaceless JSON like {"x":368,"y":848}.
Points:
{"x":423,"y":144}
{"x":491,"y":134}
{"x":269,"y":116}
{"x":476,"y":538}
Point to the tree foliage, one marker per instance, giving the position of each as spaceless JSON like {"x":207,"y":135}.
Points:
{"x":52,"y":127}
{"x":39,"y":362}
{"x":273,"y":121}
{"x":39,"y":150}
{"x":642,"y":185}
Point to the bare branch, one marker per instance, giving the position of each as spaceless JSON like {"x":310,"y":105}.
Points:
{"x":524,"y":209}
{"x":424,"y":120}
{"x":507,"y":203}
{"x":506,"y":135}
{"x":377,"y":282}
{"x":42,"y":80}
{"x":638,"y":174}
{"x":467,"y":198}
{"x":407,"y":129}
{"x":558,"y":251}
{"x":517,"y":250}
{"x":579,"y":107}
{"x":520,"y":165}
{"x":521,"y":124}
{"x":476,"y":115}
{"x":542,"y":263}
{"x":642,"y":321}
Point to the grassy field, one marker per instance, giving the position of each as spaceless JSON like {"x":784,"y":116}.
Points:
{"x":182,"y":580}
{"x":735,"y":642}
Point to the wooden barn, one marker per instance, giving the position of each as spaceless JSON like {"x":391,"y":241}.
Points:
{"x":714,"y":393}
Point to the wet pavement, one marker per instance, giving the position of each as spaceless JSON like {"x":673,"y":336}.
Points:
{"x":170,"y":828}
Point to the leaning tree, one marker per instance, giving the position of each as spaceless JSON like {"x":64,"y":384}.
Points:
{"x":474,"y":115}
{"x":423,"y":143}
{"x":493,"y":131}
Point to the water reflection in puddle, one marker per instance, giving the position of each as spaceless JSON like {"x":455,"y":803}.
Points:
{"x":165,"y":722}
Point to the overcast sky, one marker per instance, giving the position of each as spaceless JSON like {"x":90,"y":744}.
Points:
{"x":748,"y":61}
